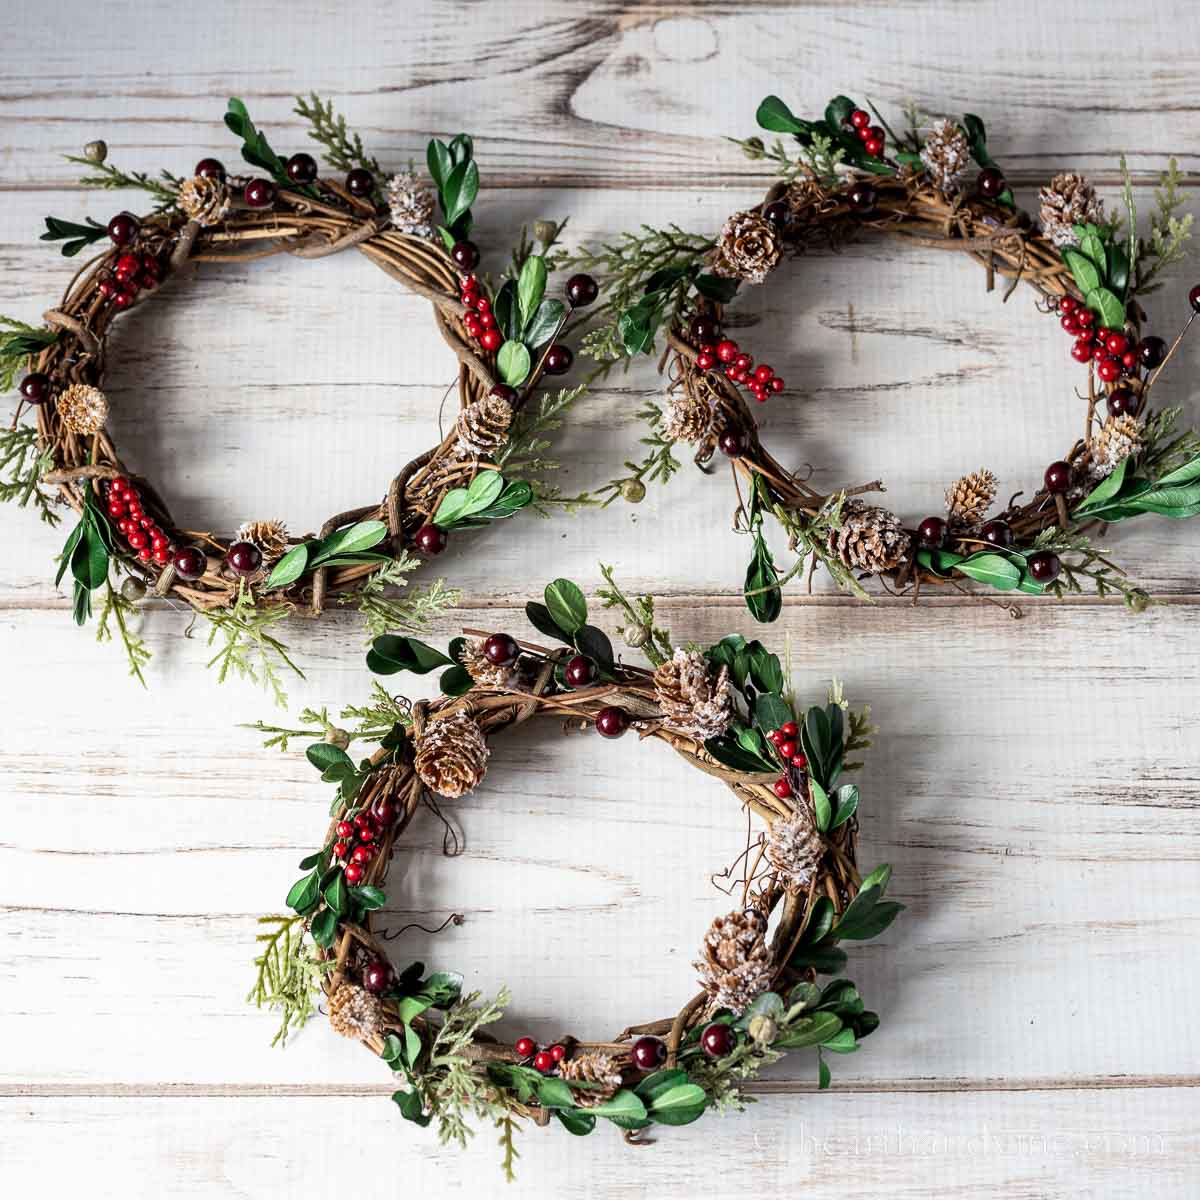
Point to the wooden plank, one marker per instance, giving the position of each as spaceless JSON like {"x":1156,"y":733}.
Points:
{"x":1027,"y":783}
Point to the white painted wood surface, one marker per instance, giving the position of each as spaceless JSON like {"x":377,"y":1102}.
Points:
{"x":1035,"y":782}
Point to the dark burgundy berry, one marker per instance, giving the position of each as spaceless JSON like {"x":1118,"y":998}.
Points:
{"x":1044,"y":566}
{"x":430,"y":540}
{"x":123,"y":228}
{"x":302,"y":168}
{"x":862,"y":197}
{"x":1151,"y":351}
{"x":717,"y":1040}
{"x":582,"y":290}
{"x":734,"y":443}
{"x":210,"y":168}
{"x":377,"y":976}
{"x":649,"y":1053}
{"x":1194,"y":298}
{"x":465,"y":255}
{"x":611,"y":722}
{"x":1122,"y":403}
{"x":997,"y":533}
{"x":581,"y":671}
{"x":559,"y":359}
{"x":931,"y":533}
{"x":360,"y":182}
{"x":244,"y":558}
{"x":501,"y":650}
{"x":1058,"y":477}
{"x":705,"y":330}
{"x":259,"y":193}
{"x":35,"y":388}
{"x":191,"y":562}
{"x":503,"y":392}
{"x":991,"y":183}
{"x":777,"y":213}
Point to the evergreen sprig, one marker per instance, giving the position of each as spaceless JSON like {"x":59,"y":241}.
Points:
{"x":22,"y":465}
{"x":121,"y":612}
{"x":288,"y":977}
{"x":343,"y":150}
{"x":247,"y":647}
{"x":653,"y":641}
{"x":164,"y":189}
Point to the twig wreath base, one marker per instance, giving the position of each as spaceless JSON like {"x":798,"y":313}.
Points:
{"x":726,"y":711}
{"x":502,"y":354}
{"x":844,"y":185}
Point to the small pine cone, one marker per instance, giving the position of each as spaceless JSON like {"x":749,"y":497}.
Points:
{"x":355,"y":1013}
{"x":748,"y":248}
{"x":595,"y":1068}
{"x":693,"y":699}
{"x":411,"y":204}
{"x":870,"y":539}
{"x":969,"y":498}
{"x":947,"y":157}
{"x":271,"y":537}
{"x":794,"y":848}
{"x":1118,"y":438}
{"x":204,"y":199}
{"x":82,"y":409}
{"x":451,"y":755}
{"x":736,"y":964}
{"x":1068,"y":200}
{"x":689,"y":416}
{"x":482,"y":427}
{"x":482,"y":669}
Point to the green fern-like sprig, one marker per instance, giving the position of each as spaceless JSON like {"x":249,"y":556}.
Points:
{"x":247,"y":648}
{"x":22,"y":465}
{"x":120,"y":612}
{"x":343,"y":150}
{"x":287,"y":976}
{"x":164,"y":189}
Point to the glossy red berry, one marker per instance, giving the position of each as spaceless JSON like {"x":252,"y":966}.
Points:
{"x":210,"y":168}
{"x":244,"y":558}
{"x":35,"y":388}
{"x":491,"y":340}
{"x":558,"y":1052}
{"x":430,"y":540}
{"x":1067,"y":305}
{"x":997,"y":533}
{"x":1116,"y":343}
{"x":931,"y":533}
{"x":360,"y":182}
{"x":1058,"y":477}
{"x":862,"y":197}
{"x":465,"y":255}
{"x":799,"y":761}
{"x":1122,"y":403}
{"x":1129,"y":360}
{"x":126,"y":267}
{"x":743,"y":362}
{"x":559,"y":359}
{"x":991,"y":183}
{"x":717,"y":1040}
{"x":1194,"y":298}
{"x":344,"y":829}
{"x":543,"y":1061}
{"x":137,"y":539}
{"x":1151,"y":351}
{"x":706,"y":360}
{"x":384,"y":812}
{"x":1085,"y":317}
{"x":1109,"y":370}
{"x":525,"y":1046}
{"x":362,"y":855}
{"x":354,"y":873}
{"x":501,"y":650}
{"x":727,"y":350}
{"x":503,"y":392}
{"x":259,"y":193}
{"x":704,"y":330}
{"x":733,"y":443}
{"x":648,"y":1053}
{"x":377,"y":974}
{"x":874,"y":147}
{"x":612,"y":721}
{"x":1081,"y":351}
{"x":340,"y":849}
{"x":781,"y":788}
{"x":790,"y":729}
{"x":581,"y":671}
{"x":788,"y":748}
{"x":777,"y":384}
{"x":482,"y":304}
{"x":1071,"y":325}
{"x":1044,"y":566}
{"x":582,"y":290}
{"x":123,"y":228}
{"x":775,"y":737}
{"x":302,"y":168}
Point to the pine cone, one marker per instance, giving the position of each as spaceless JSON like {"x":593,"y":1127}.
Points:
{"x":794,"y":848}
{"x":689,"y":416}
{"x":411,"y":204}
{"x":82,"y":409}
{"x":596,"y":1068}
{"x":271,"y":537}
{"x":204,"y":199}
{"x":1068,"y":200}
{"x":451,"y":755}
{"x":482,"y":426}
{"x":482,"y":669}
{"x":870,"y":539}
{"x":736,"y":966}
{"x":1118,"y":438}
{"x":969,"y":498}
{"x":947,"y":157}
{"x":693,"y":700}
{"x":748,"y":248}
{"x":355,"y":1013}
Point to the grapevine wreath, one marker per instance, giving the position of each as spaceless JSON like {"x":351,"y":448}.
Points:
{"x":727,"y":711}
{"x":935,"y":186}
{"x":505,"y":341}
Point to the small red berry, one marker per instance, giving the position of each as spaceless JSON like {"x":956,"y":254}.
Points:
{"x":137,"y":539}
{"x":487,"y":320}
{"x":1151,"y":352}
{"x":705,"y":330}
{"x":362,"y":855}
{"x":162,"y":555}
{"x":777,"y":384}
{"x":123,"y":228}
{"x":997,"y":533}
{"x":790,"y":729}
{"x":733,"y":443}
{"x":107,"y":288}
{"x":781,"y":788}
{"x":491,"y":340}
{"x":1081,"y":351}
{"x":582,"y":290}
{"x":35,"y":388}
{"x":501,"y":650}
{"x":377,"y":974}
{"x":1058,"y":477}
{"x":763,"y":372}
{"x":717,"y":1040}
{"x":354,"y":873}
{"x":991,"y":183}
{"x":874,"y":147}
{"x":525,"y":1046}
{"x":360,"y":182}
{"x":244,"y":558}
{"x":259,"y":193}
{"x":931,"y":533}
{"x":581,"y":671}
{"x":122,"y":300}
{"x":1109,"y":370}
{"x":191,"y":563}
{"x":542,"y":1061}
{"x":788,"y":748}
{"x":860,"y":118}
{"x":558,"y":1052}
{"x":1129,"y":360}
{"x":1044,"y":566}
{"x":1194,"y":298}
{"x":483,"y":304}
{"x":144,"y":554}
{"x":612,"y":722}
{"x":799,"y":762}
{"x":876,"y":132}
{"x":430,"y":540}
{"x":127,"y":266}
{"x":210,"y":168}
{"x":775,"y":737}
{"x":727,"y":350}
{"x":1067,"y":305}
{"x":340,"y":849}
{"x":743,"y":362}
{"x":384,"y":812}
{"x":1116,"y":343}
{"x":1071,"y":325}
{"x":1122,"y":402}
{"x":301,"y":168}
{"x":648,"y":1053}
{"x":1085,"y":316}
{"x":344,"y":829}
{"x":1098,"y":351}
{"x":706,"y":361}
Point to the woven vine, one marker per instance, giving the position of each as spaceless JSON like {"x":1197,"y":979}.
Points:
{"x":727,"y":712}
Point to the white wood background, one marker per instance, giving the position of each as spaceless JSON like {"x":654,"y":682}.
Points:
{"x":1035,"y":783}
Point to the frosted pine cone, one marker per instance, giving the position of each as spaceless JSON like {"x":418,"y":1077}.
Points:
{"x":271,"y":537}
{"x":82,"y":409}
{"x":736,"y":964}
{"x":947,"y":157}
{"x":482,"y":669}
{"x":870,"y":539}
{"x":451,"y":755}
{"x":482,"y":426}
{"x":596,"y":1068}
{"x":689,"y":416}
{"x":748,"y":248}
{"x":204,"y":199}
{"x":1118,"y":438}
{"x":693,"y":699}
{"x":794,"y":849}
{"x":355,"y":1013}
{"x":969,"y":498}
{"x":1068,"y":200}
{"x":411,"y":204}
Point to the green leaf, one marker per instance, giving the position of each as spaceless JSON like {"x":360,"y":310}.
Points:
{"x":459,"y":191}
{"x":823,"y":1076}
{"x":810,"y":1031}
{"x":68,"y":551}
{"x":1091,"y":246}
{"x":507,"y":312}
{"x":89,"y":560}
{"x":1118,"y":271}
{"x":439,"y":162}
{"x":860,"y":924}
{"x":636,"y":327}
{"x":596,"y":645}
{"x":1184,"y":474}
{"x":77,"y":236}
{"x":411,"y":1108}
{"x":554,"y":1093}
{"x":1087,"y":277}
{"x":256,"y":150}
{"x":324,"y":755}
{"x":679,"y":1105}
{"x":544,"y":323}
{"x":880,"y":878}
{"x":765,"y":669}
{"x":716,"y":287}
{"x":625,"y":1104}
{"x":304,"y":892}
{"x":940,"y":562}
{"x":847,"y":797}
{"x":396,"y":653}
{"x":821,"y":805}
{"x":1104,"y":490}
{"x":771,"y":711}
{"x":514,"y":363}
{"x":531,"y":287}
{"x":774,"y":115}
{"x":456,"y":681}
{"x":485,"y":489}
{"x":516,"y":496}
{"x":290,"y":567}
{"x":353,"y":540}
{"x":324,"y":928}
{"x":576,"y":1122}
{"x":826,"y":960}
{"x":368,"y":897}
{"x":729,"y":754}
{"x":820,"y":921}
{"x":994,"y":569}
{"x":1107,"y":307}
{"x":566,"y":605}
{"x":838,"y":110}
{"x":539,"y":617}
{"x":763,"y":596}
{"x":336,"y":895}
{"x":842,"y":1042}
{"x":659,"y":1083}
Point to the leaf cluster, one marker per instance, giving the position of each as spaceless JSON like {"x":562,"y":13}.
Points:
{"x":455,"y":175}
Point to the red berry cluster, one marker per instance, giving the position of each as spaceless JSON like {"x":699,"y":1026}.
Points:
{"x":479,"y":320}
{"x":143,"y":536}
{"x":787,"y":746}
{"x":131,"y":273}
{"x":545,"y":1059}
{"x":871,"y":136}
{"x":1111,"y":349}
{"x":717,"y":351}
{"x":357,"y":839}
